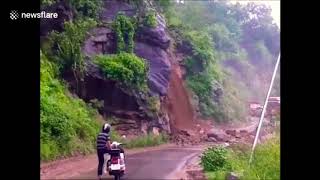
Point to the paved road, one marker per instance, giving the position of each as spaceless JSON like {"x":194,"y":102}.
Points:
{"x":158,"y":164}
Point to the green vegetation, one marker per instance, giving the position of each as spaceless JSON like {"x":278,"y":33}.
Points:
{"x":153,"y":106}
{"x":68,"y":125}
{"x":202,"y":51}
{"x":124,"y":29}
{"x":46,"y":2}
{"x":226,"y":45}
{"x":147,"y":141}
{"x":202,"y":87}
{"x":265,"y":164}
{"x":203,"y":74}
{"x":165,"y":4}
{"x":125,"y":68}
{"x":82,"y":8}
{"x":151,"y":19}
{"x":214,"y":158}
{"x":68,"y":46}
{"x":87,"y":8}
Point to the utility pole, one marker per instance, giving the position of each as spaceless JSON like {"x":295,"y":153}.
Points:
{"x":264,"y":110}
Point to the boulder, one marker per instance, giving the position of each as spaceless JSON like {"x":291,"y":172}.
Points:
{"x":211,"y":139}
{"x":219,"y":136}
{"x":231,"y":132}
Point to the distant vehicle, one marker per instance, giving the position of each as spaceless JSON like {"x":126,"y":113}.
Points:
{"x":272,"y":108}
{"x":274,"y":99}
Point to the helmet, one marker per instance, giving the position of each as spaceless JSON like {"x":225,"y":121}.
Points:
{"x":106,"y":128}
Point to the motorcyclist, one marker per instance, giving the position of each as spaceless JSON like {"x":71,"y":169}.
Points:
{"x":104,"y":146}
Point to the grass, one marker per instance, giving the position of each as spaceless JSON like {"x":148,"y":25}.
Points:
{"x":217,"y":175}
{"x":265,"y":164}
{"x":147,"y":140}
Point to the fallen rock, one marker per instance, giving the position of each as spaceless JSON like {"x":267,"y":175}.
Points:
{"x":233,"y":140}
{"x":211,"y":139}
{"x":243,"y":131}
{"x":196,"y":174}
{"x":226,"y":145}
{"x":231,"y":132}
{"x":183,"y":132}
{"x":219,"y":136}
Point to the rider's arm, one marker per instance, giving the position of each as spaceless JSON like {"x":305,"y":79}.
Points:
{"x":108,"y":144}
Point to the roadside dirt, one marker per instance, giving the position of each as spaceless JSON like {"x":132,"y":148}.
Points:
{"x":193,"y":169}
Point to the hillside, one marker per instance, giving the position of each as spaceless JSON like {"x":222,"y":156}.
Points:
{"x":148,"y":67}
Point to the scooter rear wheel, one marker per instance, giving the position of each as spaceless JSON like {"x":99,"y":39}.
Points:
{"x":117,"y":177}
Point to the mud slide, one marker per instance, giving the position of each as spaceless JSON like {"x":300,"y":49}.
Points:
{"x":179,"y":107}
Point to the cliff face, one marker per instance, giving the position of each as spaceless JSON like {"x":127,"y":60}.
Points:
{"x":154,"y":45}
{"x":150,"y":43}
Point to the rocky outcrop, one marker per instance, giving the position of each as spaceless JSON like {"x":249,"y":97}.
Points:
{"x":152,"y":44}
{"x":156,"y":36}
{"x":101,"y":41}
{"x":116,"y":100}
{"x":159,"y":67}
{"x":112,"y":7}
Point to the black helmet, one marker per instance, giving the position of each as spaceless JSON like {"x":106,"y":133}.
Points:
{"x":106,"y":128}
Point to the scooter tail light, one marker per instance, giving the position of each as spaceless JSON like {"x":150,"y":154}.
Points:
{"x":114,"y":160}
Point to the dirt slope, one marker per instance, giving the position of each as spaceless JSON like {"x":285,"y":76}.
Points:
{"x":179,"y":107}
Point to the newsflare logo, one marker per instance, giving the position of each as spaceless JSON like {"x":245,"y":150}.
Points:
{"x":14,"y":15}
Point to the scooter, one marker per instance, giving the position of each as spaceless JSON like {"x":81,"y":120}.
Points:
{"x":116,"y":165}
